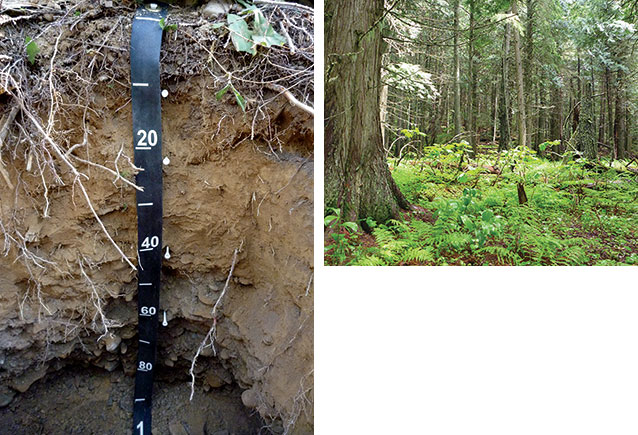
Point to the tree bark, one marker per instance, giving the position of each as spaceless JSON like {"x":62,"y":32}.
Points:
{"x":586,"y":134}
{"x":473,"y":85}
{"x":620,"y":130}
{"x":457,"y":70}
{"x":610,"y":104}
{"x":504,"y":110}
{"x":522,"y":118}
{"x":541,"y":135}
{"x":601,"y":120}
{"x":556,"y":124}
{"x":357,"y":177}
{"x":528,"y":70}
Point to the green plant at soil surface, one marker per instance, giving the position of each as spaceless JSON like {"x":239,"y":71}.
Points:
{"x":467,"y":212}
{"x":246,"y":38}
{"x":167,"y":27}
{"x":32,"y":50}
{"x":342,"y":235}
{"x":238,"y":97}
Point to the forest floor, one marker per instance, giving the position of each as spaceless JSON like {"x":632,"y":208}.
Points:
{"x":578,"y":212}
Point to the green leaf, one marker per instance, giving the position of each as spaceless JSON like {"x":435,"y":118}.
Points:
{"x":487,"y":216}
{"x":222,"y":92}
{"x":240,"y":100}
{"x":264,"y":34}
{"x":463,"y":178}
{"x":217,"y":25}
{"x":351,"y":226}
{"x":329,"y":219}
{"x":32,"y":50}
{"x":467,"y":221}
{"x":167,"y":27}
{"x":370,"y":222}
{"x":240,"y":34}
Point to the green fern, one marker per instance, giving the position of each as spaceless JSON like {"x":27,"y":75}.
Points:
{"x":503,"y":254}
{"x":369,"y":261}
{"x":418,"y":254}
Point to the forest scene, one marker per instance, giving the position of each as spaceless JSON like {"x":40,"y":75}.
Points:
{"x":481,"y":132}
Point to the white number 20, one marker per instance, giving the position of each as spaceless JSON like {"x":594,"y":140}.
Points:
{"x":151,"y":136}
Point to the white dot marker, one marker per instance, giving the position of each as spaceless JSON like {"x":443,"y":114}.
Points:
{"x":164,"y":93}
{"x":166,"y":161}
{"x":153,"y":5}
{"x":165,"y":322}
{"x":168,"y":254}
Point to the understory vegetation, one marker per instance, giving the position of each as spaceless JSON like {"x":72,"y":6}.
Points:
{"x":515,"y":207}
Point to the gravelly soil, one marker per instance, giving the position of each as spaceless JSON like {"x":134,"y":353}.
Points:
{"x":90,"y":401}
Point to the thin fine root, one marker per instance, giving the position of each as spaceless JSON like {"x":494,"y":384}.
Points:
{"x":209,"y":340}
{"x":56,"y":149}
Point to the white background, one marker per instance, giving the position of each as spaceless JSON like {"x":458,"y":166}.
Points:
{"x":494,"y":351}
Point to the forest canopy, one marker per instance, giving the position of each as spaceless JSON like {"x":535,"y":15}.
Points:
{"x":563,"y":46}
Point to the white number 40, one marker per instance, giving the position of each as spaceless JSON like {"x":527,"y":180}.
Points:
{"x":151,"y":242}
{"x":151,"y":136}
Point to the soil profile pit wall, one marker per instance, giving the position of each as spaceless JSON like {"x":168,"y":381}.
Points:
{"x":235,"y":180}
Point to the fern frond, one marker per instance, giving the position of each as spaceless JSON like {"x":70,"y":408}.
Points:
{"x":503,"y":254}
{"x":418,"y":254}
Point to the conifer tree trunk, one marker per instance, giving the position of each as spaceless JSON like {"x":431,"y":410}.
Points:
{"x":586,"y":134}
{"x":504,"y":109}
{"x":556,"y":125}
{"x":619,"y":123}
{"x":601,"y":120}
{"x":610,"y":104}
{"x":457,"y":70}
{"x":528,"y":70}
{"x":522,"y":118}
{"x":357,"y":177}
{"x":473,"y":85}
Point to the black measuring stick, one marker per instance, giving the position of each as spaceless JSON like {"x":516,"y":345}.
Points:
{"x":146,"y":41}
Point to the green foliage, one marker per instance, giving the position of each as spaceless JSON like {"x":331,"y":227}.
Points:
{"x":411,"y":80}
{"x":241,"y":101}
{"x":343,"y":237}
{"x":32,"y":50}
{"x":412,"y":133}
{"x":246,"y":38}
{"x":167,"y":27}
{"x":577,"y":214}
{"x":548,"y":144}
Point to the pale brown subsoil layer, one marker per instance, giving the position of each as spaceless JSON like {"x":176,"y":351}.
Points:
{"x":223,"y":190}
